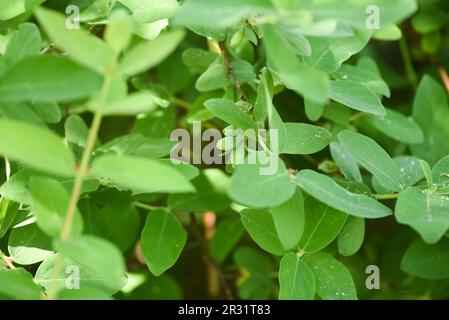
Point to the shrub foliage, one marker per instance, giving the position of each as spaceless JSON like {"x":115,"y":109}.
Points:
{"x":92,"y":207}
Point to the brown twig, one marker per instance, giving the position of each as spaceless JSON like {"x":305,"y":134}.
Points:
{"x":441,"y":71}
{"x":7,"y":261}
{"x":230,"y":70}
{"x":444,"y":76}
{"x":207,"y":258}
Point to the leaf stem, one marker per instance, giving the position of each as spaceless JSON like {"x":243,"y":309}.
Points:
{"x":230,"y":70}
{"x":408,"y":64}
{"x":358,"y":116}
{"x":179,"y":102}
{"x":386,"y":196}
{"x":82,"y":171}
{"x":145,"y":206}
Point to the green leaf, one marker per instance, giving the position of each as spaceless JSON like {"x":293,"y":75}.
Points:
{"x":411,"y":173}
{"x":368,"y":78}
{"x":253,"y":261}
{"x":398,"y":127}
{"x":219,"y":13}
{"x":264,"y":99}
{"x":191,"y":172}
{"x":322,"y":225}
{"x":314,"y":110}
{"x":211,"y":195}
{"x":118,"y":33}
{"x":296,"y":280}
{"x":164,"y":287}
{"x":24,"y":43}
{"x":36,"y":147}
{"x":249,"y":186}
{"x":345,"y":162}
{"x":427,"y":172}
{"x":116,"y":220}
{"x":135,"y":103}
{"x":47,"y":111}
{"x":95,"y":254}
{"x":69,"y":269}
{"x":157,"y":124}
{"x":430,"y":109}
{"x":140,"y":175}
{"x":8,"y":212}
{"x":17,"y":187}
{"x":389,"y":33}
{"x":357,"y":96}
{"x":346,"y":46}
{"x":258,"y":267}
{"x":81,"y":46}
{"x":215,"y":77}
{"x":20,"y":111}
{"x":347,"y":11}
{"x":28,"y":245}
{"x":351,"y":236}
{"x":308,"y":82}
{"x":440,"y":172}
{"x":144,"y":11}
{"x":76,"y":131}
{"x":333,"y":280}
{"x":149,"y":54}
{"x":228,"y":111}
{"x":11,"y":9}
{"x":18,"y":284}
{"x":289,"y":219}
{"x":243,"y":71}
{"x":264,"y":108}
{"x":429,"y":19}
{"x":138,"y":145}
{"x":305,"y":138}
{"x":427,"y":261}
{"x":329,"y":192}
{"x":44,"y":78}
{"x":226,"y":236}
{"x":218,"y":34}
{"x":50,"y":201}
{"x":427,"y":213}
{"x":262,"y":229}
{"x":198,"y":60}
{"x":163,"y":239}
{"x":371,"y":156}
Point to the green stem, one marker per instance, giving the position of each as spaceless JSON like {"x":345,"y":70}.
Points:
{"x":358,"y":116}
{"x":81,"y":173}
{"x":179,"y":102}
{"x":386,"y":196}
{"x":408,"y":64}
{"x":145,"y":206}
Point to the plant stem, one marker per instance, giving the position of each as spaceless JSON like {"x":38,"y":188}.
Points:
{"x":230,"y":70}
{"x":179,"y":102}
{"x":358,"y":116}
{"x":444,"y":76}
{"x":79,"y":179}
{"x":208,"y":260}
{"x":145,"y":206}
{"x":6,"y":261}
{"x":386,"y":196}
{"x":408,"y":64}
